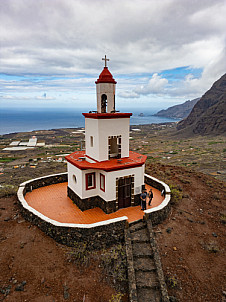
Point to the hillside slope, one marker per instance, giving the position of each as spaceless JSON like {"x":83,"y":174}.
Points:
{"x":178,"y":111}
{"x":208,"y":117}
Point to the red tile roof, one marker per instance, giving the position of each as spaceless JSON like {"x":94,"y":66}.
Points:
{"x":134,"y":160}
{"x":105,"y":77}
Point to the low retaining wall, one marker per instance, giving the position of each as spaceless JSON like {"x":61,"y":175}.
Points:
{"x":96,"y":235}
{"x":159,"y":213}
{"x":44,"y":181}
{"x":130,"y":267}
{"x":157,"y":260}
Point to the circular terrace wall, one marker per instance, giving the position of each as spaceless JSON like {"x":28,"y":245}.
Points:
{"x":96,"y":235}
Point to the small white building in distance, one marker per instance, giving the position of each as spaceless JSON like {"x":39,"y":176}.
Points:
{"x":106,"y":175}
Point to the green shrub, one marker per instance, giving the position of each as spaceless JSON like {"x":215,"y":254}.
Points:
{"x":8,"y":190}
{"x":172,"y":281}
{"x":211,"y":247}
{"x":223,"y":219}
{"x":116,"y":298}
{"x":176,"y":194}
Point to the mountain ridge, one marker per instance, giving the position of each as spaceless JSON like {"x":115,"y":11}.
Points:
{"x":208,"y":116}
{"x":179,"y":111}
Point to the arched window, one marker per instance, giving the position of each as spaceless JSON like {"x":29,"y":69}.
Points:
{"x":103,"y":103}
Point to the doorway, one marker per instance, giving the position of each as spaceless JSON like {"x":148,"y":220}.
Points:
{"x":124,"y":192}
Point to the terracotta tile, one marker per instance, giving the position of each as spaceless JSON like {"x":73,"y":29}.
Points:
{"x":53,"y":202}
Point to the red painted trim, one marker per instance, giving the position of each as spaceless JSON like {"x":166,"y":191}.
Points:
{"x":107,"y":115}
{"x":103,"y":177}
{"x":94,"y":180}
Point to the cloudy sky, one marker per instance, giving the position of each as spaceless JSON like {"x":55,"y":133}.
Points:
{"x":161,"y":53}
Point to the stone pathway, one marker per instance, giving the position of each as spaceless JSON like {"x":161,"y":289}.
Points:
{"x":144,"y":267}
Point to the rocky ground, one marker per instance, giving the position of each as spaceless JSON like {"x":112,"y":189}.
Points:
{"x":191,"y":241}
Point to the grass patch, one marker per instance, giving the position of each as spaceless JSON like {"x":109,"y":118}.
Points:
{"x":7,"y":159}
{"x":214,"y":142}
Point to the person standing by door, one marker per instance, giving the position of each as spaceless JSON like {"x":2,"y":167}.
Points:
{"x":143,"y":197}
{"x":150,"y":195}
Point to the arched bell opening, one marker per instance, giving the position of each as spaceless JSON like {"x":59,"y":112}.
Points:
{"x":103,"y":103}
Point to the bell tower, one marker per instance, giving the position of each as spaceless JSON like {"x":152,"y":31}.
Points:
{"x":105,"y":89}
{"x":106,"y":174}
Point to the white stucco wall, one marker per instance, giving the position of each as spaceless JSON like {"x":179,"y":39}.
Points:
{"x":75,"y":186}
{"x":79,"y":187}
{"x":110,"y":181}
{"x":101,"y":129}
{"x":91,"y":126}
{"x":114,"y":127}
{"x":109,"y":90}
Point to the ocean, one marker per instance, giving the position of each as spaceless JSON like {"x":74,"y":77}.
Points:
{"x":23,"y":120}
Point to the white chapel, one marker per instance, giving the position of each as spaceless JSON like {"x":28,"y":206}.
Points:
{"x":106,"y":175}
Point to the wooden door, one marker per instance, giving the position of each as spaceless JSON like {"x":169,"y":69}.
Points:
{"x":124,"y":192}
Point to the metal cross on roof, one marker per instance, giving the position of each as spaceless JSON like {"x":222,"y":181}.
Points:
{"x":105,"y":59}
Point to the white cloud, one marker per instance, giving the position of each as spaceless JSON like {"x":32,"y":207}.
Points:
{"x":156,"y":85}
{"x":44,"y":98}
{"x":67,"y":39}
{"x":196,"y":87}
{"x":129,"y":94}
{"x":6,"y":97}
{"x":139,"y":36}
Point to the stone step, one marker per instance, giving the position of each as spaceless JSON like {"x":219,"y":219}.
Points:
{"x":144,"y":264}
{"x":141,"y":235}
{"x":135,"y":222}
{"x":136,"y":227}
{"x":142,"y":249}
{"x":143,"y":256}
{"x":148,"y":295}
{"x":146,"y":279}
{"x":140,"y":241}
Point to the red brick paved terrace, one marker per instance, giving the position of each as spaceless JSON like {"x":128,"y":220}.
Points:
{"x":53,"y":202}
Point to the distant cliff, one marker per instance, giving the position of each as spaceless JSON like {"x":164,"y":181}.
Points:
{"x":209,"y":114}
{"x":178,"y":111}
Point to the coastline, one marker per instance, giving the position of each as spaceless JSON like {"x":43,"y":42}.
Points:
{"x":80,"y":128}
{"x":15,"y":120}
